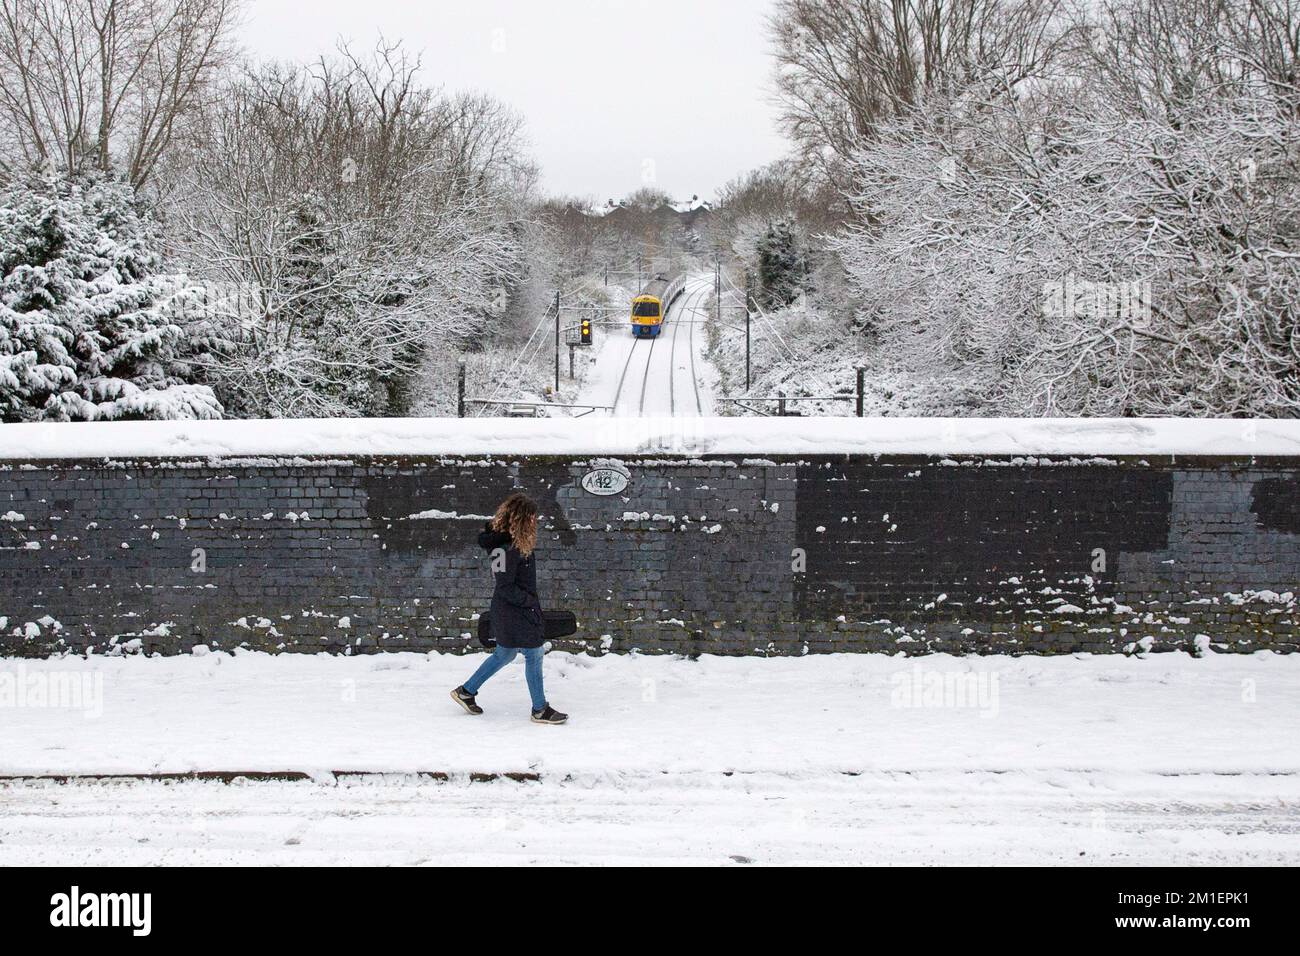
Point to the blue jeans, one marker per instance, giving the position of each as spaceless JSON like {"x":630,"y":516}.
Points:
{"x":503,"y":656}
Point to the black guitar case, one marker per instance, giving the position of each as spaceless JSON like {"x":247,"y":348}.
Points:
{"x":556,"y":624}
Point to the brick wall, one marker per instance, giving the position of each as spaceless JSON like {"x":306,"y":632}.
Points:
{"x":719,"y":555}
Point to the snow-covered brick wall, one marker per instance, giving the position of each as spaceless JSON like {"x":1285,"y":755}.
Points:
{"x":724,"y":553}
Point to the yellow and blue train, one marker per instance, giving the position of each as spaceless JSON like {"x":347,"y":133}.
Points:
{"x":650,"y":307}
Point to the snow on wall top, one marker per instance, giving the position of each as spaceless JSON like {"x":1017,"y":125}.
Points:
{"x":640,"y":436}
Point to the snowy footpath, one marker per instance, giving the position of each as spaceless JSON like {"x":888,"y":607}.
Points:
{"x":821,"y":759}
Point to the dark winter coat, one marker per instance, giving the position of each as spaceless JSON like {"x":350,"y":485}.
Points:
{"x":516,"y":612}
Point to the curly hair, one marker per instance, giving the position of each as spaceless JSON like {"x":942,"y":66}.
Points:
{"x":517,"y":516}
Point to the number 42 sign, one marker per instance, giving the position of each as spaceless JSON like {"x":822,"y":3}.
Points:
{"x":606,"y":478}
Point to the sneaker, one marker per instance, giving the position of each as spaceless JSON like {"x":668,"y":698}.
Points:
{"x":463,"y":697}
{"x":549,"y":715}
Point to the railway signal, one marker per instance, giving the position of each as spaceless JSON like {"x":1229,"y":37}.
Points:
{"x":584,"y":334}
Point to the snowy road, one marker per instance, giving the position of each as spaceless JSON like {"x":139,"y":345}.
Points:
{"x":917,"y":818}
{"x":663,"y":376}
{"x":828,"y":758}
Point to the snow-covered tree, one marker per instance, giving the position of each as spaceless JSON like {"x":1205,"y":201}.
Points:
{"x":845,"y":67}
{"x":105,"y":85}
{"x":780,"y":265}
{"x":366,"y":224}
{"x":90,"y":324}
{"x":1121,"y":241}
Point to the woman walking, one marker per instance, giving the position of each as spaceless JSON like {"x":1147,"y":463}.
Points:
{"x":516,"y":612}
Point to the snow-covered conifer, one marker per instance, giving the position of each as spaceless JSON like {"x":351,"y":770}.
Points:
{"x":91,"y":323}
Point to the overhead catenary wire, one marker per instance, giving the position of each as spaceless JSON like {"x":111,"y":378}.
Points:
{"x":771,"y":325}
{"x":507,"y":375}
{"x":782,"y":347}
{"x":529,"y":351}
{"x":515,"y":364}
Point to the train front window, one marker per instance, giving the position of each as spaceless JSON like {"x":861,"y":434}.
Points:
{"x":645,"y":310}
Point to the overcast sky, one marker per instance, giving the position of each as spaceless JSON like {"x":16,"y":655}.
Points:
{"x":613,"y":91}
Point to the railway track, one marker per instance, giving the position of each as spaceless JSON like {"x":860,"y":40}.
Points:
{"x":659,"y":373}
{"x":691,"y":313}
{"x":618,"y":392}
